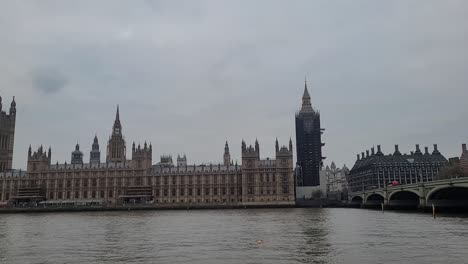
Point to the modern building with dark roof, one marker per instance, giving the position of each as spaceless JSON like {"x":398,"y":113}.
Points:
{"x":376,"y":170}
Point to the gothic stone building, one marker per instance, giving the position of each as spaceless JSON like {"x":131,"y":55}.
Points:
{"x":376,"y":170}
{"x":7,"y":136}
{"x":121,"y":180}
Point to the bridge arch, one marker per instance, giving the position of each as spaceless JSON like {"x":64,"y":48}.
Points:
{"x":357,"y":199}
{"x":375,"y":198}
{"x":404,"y":198}
{"x":392,"y":194}
{"x":448,"y":196}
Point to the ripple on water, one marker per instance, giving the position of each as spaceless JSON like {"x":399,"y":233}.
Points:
{"x":229,"y":236}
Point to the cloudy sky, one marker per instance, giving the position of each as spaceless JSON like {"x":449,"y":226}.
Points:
{"x":190,"y":74}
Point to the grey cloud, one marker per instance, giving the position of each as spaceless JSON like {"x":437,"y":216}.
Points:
{"x":189,"y":74}
{"x":48,"y":81}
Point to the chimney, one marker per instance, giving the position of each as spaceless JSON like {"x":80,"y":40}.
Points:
{"x":357,"y":156}
{"x":412,"y":152}
{"x":379,"y":150}
{"x":418,"y":150}
{"x":362,"y":155}
{"x":397,"y":152}
{"x":426,"y":150}
{"x":436,"y":151}
{"x":463,"y":148}
{"x":372,"y":151}
{"x":367,"y":153}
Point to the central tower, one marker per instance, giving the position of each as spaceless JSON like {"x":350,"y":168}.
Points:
{"x":308,"y":142}
{"x":116,"y":145}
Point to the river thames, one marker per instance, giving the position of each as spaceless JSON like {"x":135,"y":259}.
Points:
{"x":233,"y":236}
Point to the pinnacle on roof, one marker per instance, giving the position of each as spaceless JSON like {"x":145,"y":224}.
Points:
{"x":306,"y":104}
{"x":117,"y":119}
{"x":117,"y":115}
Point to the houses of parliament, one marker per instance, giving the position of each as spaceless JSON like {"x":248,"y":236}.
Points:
{"x":117,"y":179}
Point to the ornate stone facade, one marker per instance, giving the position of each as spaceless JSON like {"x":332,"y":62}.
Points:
{"x":337,"y":182}
{"x":256,"y":182}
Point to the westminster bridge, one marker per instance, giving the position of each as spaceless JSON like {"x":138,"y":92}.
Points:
{"x":449,"y":193}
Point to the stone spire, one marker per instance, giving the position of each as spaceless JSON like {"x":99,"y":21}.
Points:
{"x":95,"y":154}
{"x":13,"y":107}
{"x":226,"y":148}
{"x":77,"y":155}
{"x":117,"y":120}
{"x":306,"y":104}
{"x":116,"y":150}
{"x":227,"y":155}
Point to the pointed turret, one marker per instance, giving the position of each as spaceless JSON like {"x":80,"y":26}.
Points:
{"x":117,"y":115}
{"x":257,"y":148}
{"x":306,"y":104}
{"x":117,"y":125}
{"x":227,"y":155}
{"x":277,"y":145}
{"x":226,"y":148}
{"x":290,"y":145}
{"x":116,"y":146}
{"x":95,"y":154}
{"x":77,"y":155}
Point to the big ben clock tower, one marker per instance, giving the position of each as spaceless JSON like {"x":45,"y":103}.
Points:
{"x":309,"y":142}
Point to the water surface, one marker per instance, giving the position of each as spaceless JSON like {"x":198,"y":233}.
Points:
{"x":230,"y":236}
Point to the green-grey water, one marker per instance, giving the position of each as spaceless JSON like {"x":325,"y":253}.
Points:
{"x":231,"y":236}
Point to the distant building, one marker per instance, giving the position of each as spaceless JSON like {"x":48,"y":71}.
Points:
{"x":337,"y":182}
{"x":308,"y":143}
{"x":7,"y":136}
{"x":376,"y":170}
{"x":464,"y":159}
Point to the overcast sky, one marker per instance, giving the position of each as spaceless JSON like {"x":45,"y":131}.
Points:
{"x":190,"y":74}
